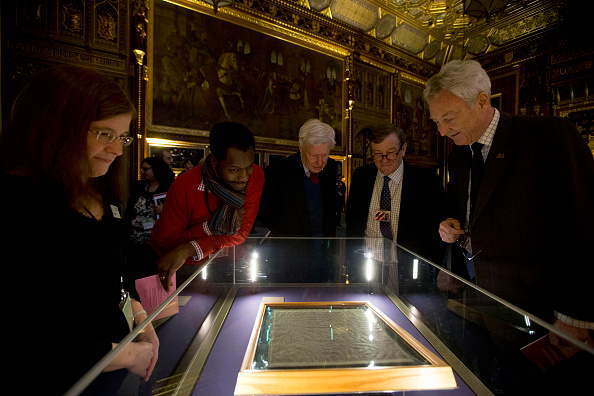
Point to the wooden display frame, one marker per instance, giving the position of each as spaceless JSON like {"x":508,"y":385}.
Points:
{"x":436,"y":375}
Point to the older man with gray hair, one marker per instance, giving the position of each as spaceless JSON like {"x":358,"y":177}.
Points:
{"x":520,"y":197}
{"x":299,"y":192}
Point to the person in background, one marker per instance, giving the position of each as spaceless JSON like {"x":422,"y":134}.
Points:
{"x":62,"y":230}
{"x":188,"y":164}
{"x":142,"y":212}
{"x":340,"y":198}
{"x":211,"y":206}
{"x":299,"y":196}
{"x":166,"y":155}
{"x":412,"y":214}
{"x":521,"y":217}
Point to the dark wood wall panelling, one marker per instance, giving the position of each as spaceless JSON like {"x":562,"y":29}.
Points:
{"x":554,"y":71}
{"x":38,"y":34}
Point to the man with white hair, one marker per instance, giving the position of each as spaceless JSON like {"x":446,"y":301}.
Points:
{"x":299,"y":192}
{"x":521,"y":215}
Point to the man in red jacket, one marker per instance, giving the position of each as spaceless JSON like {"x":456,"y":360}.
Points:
{"x":211,"y":206}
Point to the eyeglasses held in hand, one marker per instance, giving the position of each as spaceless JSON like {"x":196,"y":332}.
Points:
{"x":464,"y":242}
{"x":108,"y":138}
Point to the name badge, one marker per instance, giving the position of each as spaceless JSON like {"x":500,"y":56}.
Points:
{"x":126,"y":307}
{"x":115,"y":211}
{"x":147,"y":223}
{"x":382,"y":215}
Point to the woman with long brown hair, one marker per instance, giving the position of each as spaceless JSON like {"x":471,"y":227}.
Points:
{"x":62,"y":230}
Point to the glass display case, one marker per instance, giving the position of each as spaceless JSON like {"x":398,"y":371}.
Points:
{"x":489,"y":345}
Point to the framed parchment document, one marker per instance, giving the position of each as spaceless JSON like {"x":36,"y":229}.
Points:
{"x":330,"y":347}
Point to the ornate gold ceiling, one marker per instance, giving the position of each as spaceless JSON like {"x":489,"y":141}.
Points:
{"x":440,"y":30}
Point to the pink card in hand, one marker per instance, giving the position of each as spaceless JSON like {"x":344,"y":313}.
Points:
{"x":152,"y":295}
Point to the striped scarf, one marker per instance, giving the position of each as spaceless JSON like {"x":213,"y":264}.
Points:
{"x":224,"y":219}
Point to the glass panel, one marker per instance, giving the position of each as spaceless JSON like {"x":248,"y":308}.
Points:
{"x":481,"y":336}
{"x":506,"y":348}
{"x":332,"y":337}
{"x":201,"y":288}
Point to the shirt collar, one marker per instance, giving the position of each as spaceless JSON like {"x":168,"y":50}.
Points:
{"x":394,"y":176}
{"x":307,"y":171}
{"x":487,"y":136}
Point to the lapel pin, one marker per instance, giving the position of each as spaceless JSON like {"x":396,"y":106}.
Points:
{"x":500,"y":155}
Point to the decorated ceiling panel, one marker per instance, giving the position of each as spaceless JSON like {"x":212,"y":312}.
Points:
{"x":434,"y":29}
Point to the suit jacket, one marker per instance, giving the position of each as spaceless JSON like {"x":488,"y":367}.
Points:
{"x":533,"y":225}
{"x":422,"y":208}
{"x":283,"y":208}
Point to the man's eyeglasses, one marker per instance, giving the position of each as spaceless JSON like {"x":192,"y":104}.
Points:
{"x":108,"y":138}
{"x":464,"y":242}
{"x":390,"y":156}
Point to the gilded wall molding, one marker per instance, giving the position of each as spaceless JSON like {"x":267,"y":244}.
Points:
{"x":294,"y":17}
{"x":64,"y":54}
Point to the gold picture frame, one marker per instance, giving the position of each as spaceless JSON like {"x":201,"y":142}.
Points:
{"x":271,"y":366}
{"x":180,"y":151}
{"x":232,"y":66}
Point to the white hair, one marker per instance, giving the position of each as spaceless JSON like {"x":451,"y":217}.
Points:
{"x":315,"y":132}
{"x":465,"y":79}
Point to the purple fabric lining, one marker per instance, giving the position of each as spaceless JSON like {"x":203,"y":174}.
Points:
{"x":220,"y":372}
{"x":177,"y":333}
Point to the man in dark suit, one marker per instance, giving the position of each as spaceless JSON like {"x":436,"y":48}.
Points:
{"x":413,"y":216}
{"x":521,"y":201}
{"x":299,"y":195}
{"x":299,"y":200}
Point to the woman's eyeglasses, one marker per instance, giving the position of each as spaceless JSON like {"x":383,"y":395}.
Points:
{"x":108,"y":138}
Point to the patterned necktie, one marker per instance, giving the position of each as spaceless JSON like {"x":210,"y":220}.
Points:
{"x":314,"y":177}
{"x":386,"y":205}
{"x":476,"y":174}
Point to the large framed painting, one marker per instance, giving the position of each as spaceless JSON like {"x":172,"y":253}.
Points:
{"x":335,"y":347}
{"x":411,"y":113}
{"x":207,"y":68}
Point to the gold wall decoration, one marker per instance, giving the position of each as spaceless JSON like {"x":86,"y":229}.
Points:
{"x":324,"y":26}
{"x":528,"y":25}
{"x":235,"y":67}
{"x":72,"y":16}
{"x":357,"y":13}
{"x":140,"y":14}
{"x":107,"y":22}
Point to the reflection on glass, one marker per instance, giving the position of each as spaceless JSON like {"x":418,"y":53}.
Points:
{"x":330,"y":337}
